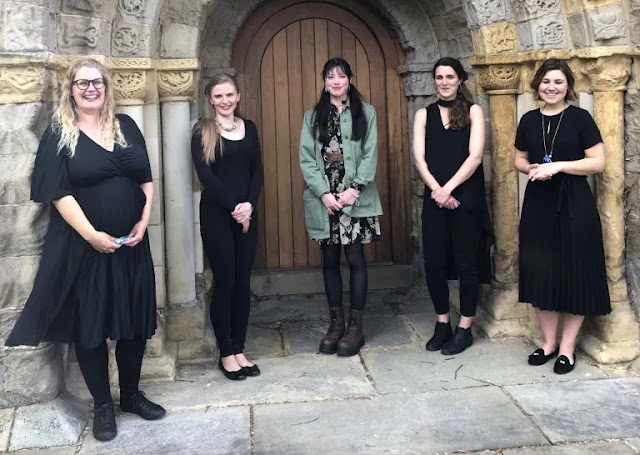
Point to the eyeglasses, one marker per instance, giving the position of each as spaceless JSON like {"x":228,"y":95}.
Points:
{"x":83,"y":84}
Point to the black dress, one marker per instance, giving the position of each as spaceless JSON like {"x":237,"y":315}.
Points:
{"x":79,"y":294}
{"x":562,"y":265}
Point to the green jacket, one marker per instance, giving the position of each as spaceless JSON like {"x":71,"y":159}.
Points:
{"x":360,"y":161}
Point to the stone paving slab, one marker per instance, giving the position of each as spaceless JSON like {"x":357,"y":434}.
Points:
{"x":53,"y":451}
{"x":263,"y":342}
{"x":582,"y":410}
{"x":486,"y":362}
{"x":596,"y":448}
{"x":6,"y":420}
{"x":420,"y":424}
{"x":295,"y":378}
{"x":301,"y":308}
{"x":219,"y":432}
{"x":634,"y":443}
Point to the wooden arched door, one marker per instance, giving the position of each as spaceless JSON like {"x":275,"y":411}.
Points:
{"x":278,"y":56}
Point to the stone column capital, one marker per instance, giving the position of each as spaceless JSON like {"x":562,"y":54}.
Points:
{"x":26,"y":83}
{"x":176,"y":85}
{"x":499,"y":79}
{"x":130,"y":86}
{"x":607,"y":74}
{"x":417,"y":79}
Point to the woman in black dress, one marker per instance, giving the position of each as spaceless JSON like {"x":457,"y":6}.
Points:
{"x":448,"y":141}
{"x":226,"y":154}
{"x":562,"y":266}
{"x":95,"y":279}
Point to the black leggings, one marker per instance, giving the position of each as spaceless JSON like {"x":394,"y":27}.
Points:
{"x":460,"y":230}
{"x":230,"y":253}
{"x":94,"y":365}
{"x":333,"y":278}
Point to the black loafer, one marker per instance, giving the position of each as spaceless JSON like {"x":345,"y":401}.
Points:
{"x":139,"y":404}
{"x":538,"y":357}
{"x":563,"y":365}
{"x":104,"y":423}
{"x":253,"y":370}
{"x":237,"y":375}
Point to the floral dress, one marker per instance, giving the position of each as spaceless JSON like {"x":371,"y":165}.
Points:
{"x":344,"y":229}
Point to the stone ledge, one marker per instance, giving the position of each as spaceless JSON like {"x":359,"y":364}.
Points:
{"x":566,"y":54}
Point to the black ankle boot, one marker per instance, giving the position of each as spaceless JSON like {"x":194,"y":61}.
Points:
{"x":441,"y":335}
{"x":137,"y":403}
{"x":329,"y":343}
{"x":353,"y":338}
{"x":460,"y":341}
{"x":104,"y":423}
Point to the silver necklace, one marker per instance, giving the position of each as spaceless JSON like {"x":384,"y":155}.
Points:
{"x":228,"y":128}
{"x":548,"y":156}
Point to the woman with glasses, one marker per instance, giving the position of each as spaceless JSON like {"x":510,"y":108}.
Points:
{"x":95,"y":279}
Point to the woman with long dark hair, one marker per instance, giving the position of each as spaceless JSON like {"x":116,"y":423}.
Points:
{"x":226,"y":154}
{"x":338,"y":158}
{"x":448,"y":141}
{"x":562,"y":265}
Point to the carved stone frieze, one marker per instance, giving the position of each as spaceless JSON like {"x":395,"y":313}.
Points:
{"x":499,"y":78}
{"x":141,"y":11}
{"x":132,"y":7}
{"x":488,"y":12}
{"x":80,"y":35}
{"x":495,"y":39}
{"x":22,"y":84}
{"x":609,"y":26}
{"x":131,"y":39}
{"x":550,"y":33}
{"x":129,"y":87}
{"x":608,"y":73}
{"x":417,"y":79}
{"x":176,"y":85}
{"x":530,"y":9}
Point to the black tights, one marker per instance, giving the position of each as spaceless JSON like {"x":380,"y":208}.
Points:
{"x":333,"y":278}
{"x":94,"y":364}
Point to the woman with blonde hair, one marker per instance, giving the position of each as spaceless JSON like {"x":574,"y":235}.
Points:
{"x":226,"y":154}
{"x":95,"y":279}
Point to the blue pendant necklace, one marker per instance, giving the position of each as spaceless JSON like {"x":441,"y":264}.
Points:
{"x":548,"y":156}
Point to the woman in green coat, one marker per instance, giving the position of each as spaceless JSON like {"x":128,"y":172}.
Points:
{"x":338,"y":158}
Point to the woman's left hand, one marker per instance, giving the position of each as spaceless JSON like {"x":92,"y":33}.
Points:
{"x":137,"y":234}
{"x":242,"y":212}
{"x":441,"y":196}
{"x":544,"y":171}
{"x":348,"y":196}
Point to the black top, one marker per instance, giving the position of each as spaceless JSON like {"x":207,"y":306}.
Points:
{"x":236,"y":176}
{"x":79,"y":294}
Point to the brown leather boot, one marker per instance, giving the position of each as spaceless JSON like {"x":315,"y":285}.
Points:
{"x":329,"y":343}
{"x":353,"y":338}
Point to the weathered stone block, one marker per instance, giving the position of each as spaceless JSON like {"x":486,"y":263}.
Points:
{"x":197,"y":350}
{"x":28,"y":28}
{"x":634,"y":26}
{"x":180,"y":41}
{"x":6,"y":422}
{"x":83,"y":35}
{"x":22,"y":229}
{"x":22,"y":127}
{"x":161,"y":290}
{"x":185,"y":321}
{"x":15,"y":178}
{"x":156,"y":243}
{"x":147,"y":12}
{"x":19,"y":385}
{"x":543,"y":33}
{"x":102,"y":9}
{"x":578,"y":30}
{"x":487,"y":12}
{"x":156,"y":216}
{"x":608,"y":26}
{"x":524,"y":10}
{"x":132,"y":40}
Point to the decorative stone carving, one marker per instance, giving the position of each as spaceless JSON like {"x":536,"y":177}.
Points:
{"x":28,"y":28}
{"x":609,"y":26}
{"x":499,"y":78}
{"x":129,"y":87}
{"x":496,"y":39}
{"x":530,"y":9}
{"x":91,"y":6}
{"x":490,"y":11}
{"x":147,"y":11}
{"x":131,"y":39}
{"x":132,"y":7}
{"x":608,"y":73}
{"x":417,"y":79}
{"x":176,"y":85}
{"x":550,"y":33}
{"x":24,"y":84}
{"x":83,"y":35}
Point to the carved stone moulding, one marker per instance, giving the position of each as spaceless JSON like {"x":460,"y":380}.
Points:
{"x":495,"y":39}
{"x":176,"y":85}
{"x":417,"y":79}
{"x":26,"y":84}
{"x":608,"y":74}
{"x":130,"y":87}
{"x":499,"y":79}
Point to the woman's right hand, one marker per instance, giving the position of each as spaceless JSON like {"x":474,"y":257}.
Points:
{"x":331,"y":203}
{"x":103,"y":242}
{"x":452,"y":203}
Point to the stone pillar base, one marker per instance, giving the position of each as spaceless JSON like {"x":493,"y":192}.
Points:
{"x":607,"y":353}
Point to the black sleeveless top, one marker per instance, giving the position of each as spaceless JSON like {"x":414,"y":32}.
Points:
{"x":445,"y":151}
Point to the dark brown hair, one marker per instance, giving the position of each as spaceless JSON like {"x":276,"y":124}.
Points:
{"x":552,"y":64}
{"x":459,"y":112}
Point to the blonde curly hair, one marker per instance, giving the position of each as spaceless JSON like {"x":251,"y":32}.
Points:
{"x":65,"y":117}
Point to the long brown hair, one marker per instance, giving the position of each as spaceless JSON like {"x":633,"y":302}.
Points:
{"x":459,"y":117}
{"x":207,"y":125}
{"x":66,"y":115}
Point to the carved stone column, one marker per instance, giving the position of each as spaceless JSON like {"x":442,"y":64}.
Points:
{"x":185,"y":315}
{"x":501,"y":314}
{"x":616,"y":337}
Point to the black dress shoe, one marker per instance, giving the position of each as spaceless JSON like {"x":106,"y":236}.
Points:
{"x":139,"y":404}
{"x":104,"y":423}
{"x":253,"y":370}
{"x":237,"y":375}
{"x":460,"y":341}
{"x":563,"y":365}
{"x":538,"y":357}
{"x":441,"y":335}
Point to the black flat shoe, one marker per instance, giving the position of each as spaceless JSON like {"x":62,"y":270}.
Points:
{"x":441,"y":335}
{"x":104,"y":423}
{"x":538,"y":357}
{"x":139,"y":404}
{"x":233,"y":375}
{"x":251,"y":371}
{"x":460,"y":341}
{"x":563,"y":365}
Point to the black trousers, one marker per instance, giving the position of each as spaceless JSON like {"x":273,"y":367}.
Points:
{"x":459,"y":230}
{"x":230,"y":253}
{"x":94,"y":365}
